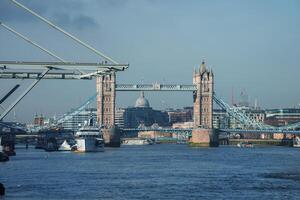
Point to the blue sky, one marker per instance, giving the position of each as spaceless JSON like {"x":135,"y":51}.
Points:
{"x":251,"y":45}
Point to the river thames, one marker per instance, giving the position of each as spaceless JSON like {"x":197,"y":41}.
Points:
{"x":166,"y":171}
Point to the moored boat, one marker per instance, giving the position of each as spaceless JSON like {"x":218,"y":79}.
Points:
{"x":296,"y":142}
{"x":89,"y":138}
{"x":65,"y":146}
{"x":245,"y":145}
{"x":137,"y":141}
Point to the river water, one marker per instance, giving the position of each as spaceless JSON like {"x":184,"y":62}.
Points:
{"x":165,"y":171}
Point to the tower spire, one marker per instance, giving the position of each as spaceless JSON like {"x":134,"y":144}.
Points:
{"x":202,"y":66}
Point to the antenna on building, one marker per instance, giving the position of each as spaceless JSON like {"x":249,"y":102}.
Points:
{"x":255,"y":104}
{"x":232,"y":96}
{"x":15,"y":117}
{"x":142,"y":79}
{"x":244,"y":99}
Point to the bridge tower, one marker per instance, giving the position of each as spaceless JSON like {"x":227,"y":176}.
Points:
{"x":203,"y":133}
{"x":203,"y":97}
{"x":106,"y":101}
{"x":106,"y":98}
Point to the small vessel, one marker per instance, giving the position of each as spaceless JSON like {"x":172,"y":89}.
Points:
{"x":137,"y":141}
{"x":296,"y":142}
{"x":51,"y":146}
{"x":245,"y":145}
{"x":50,"y":139}
{"x":65,"y":146}
{"x":89,"y":138}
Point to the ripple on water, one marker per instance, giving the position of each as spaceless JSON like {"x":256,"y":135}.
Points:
{"x":154,"y":172}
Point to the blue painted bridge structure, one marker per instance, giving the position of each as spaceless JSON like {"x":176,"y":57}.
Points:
{"x":188,"y":131}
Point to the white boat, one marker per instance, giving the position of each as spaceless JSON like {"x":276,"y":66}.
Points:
{"x":65,"y":146}
{"x":89,"y":138}
{"x":136,"y":141}
{"x":296,"y":142}
{"x":245,"y":145}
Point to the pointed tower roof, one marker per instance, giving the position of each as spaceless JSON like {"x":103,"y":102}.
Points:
{"x":211,"y":73}
{"x":202,"y":66}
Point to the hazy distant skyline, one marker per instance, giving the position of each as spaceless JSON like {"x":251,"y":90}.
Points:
{"x":252,"y":45}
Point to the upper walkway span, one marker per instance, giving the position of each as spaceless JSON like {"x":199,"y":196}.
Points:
{"x":155,"y":87}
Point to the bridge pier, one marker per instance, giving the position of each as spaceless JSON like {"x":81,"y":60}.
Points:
{"x":112,"y":137}
{"x":7,"y":143}
{"x":202,"y":137}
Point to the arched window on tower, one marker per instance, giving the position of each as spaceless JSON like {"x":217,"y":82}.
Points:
{"x":205,"y":87}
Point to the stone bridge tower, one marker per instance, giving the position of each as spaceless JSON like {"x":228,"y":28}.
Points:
{"x":106,"y":98}
{"x":203,"y":133}
{"x":203,"y":97}
{"x":106,"y":101}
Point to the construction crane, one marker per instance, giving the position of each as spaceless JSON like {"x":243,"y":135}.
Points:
{"x":52,"y":70}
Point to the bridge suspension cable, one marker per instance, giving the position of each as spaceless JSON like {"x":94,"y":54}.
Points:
{"x":241,"y":116}
{"x":77,"y":110}
{"x":64,"y":32}
{"x":246,"y":120}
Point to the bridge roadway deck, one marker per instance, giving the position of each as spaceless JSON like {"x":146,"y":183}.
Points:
{"x":271,"y":131}
{"x":242,"y":131}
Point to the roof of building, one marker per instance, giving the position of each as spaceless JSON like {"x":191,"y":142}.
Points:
{"x":142,"y":102}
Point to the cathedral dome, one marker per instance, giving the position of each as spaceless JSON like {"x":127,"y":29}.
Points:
{"x":142,"y":102}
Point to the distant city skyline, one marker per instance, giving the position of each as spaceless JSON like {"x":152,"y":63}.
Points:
{"x":251,"y":45}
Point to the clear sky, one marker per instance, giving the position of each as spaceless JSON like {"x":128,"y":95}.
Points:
{"x":251,"y":45}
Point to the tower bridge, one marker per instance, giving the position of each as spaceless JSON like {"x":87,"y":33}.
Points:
{"x":202,"y":89}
